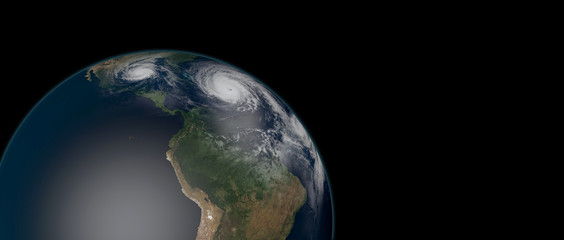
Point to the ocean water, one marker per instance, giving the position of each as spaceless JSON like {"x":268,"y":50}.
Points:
{"x":312,"y":225}
{"x":88,"y":165}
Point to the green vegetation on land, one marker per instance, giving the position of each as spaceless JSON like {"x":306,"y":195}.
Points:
{"x":158,"y":97}
{"x":259,"y":196}
{"x":177,"y":58}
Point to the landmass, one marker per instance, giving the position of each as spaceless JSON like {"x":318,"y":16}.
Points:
{"x":158,"y":97}
{"x":210,"y":214}
{"x":104,"y":70}
{"x":259,"y":197}
{"x":240,"y":196}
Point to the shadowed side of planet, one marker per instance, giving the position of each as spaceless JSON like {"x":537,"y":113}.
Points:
{"x":163,"y":145}
{"x":85,"y":167}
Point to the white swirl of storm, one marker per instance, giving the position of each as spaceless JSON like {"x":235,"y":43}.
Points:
{"x":228,"y":85}
{"x":139,"y":71}
{"x":294,"y":149}
{"x":226,"y":88}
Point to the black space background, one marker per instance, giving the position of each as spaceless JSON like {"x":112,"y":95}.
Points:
{"x":393,"y":96}
{"x":327,"y":72}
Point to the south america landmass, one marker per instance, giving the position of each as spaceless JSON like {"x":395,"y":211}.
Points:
{"x":240,"y":197}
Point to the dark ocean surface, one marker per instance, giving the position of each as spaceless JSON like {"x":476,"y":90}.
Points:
{"x":88,"y":165}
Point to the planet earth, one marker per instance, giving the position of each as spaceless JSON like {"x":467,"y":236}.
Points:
{"x":163,"y":145}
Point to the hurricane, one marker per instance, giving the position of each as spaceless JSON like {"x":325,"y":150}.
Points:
{"x":139,"y":71}
{"x":228,"y":85}
{"x":227,"y":89}
{"x":236,"y":137}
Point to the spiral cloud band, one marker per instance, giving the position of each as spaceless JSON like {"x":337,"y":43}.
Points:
{"x":139,"y":71}
{"x":226,"y":88}
{"x":228,"y":85}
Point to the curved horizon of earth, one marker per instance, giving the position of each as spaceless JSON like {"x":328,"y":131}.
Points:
{"x":235,"y":148}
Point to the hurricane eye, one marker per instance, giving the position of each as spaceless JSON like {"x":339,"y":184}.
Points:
{"x":227,"y":89}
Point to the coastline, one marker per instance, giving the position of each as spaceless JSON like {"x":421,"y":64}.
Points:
{"x":210,"y":213}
